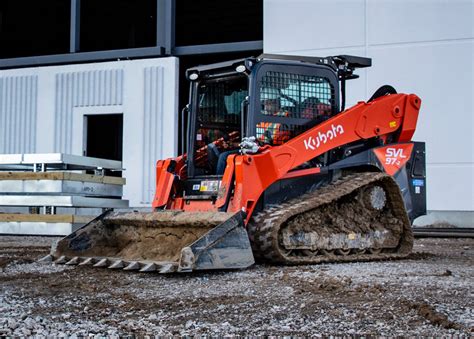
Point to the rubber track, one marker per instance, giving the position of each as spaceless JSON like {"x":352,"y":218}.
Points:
{"x":265,"y":226}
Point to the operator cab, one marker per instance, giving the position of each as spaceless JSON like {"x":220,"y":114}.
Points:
{"x":273,"y":98}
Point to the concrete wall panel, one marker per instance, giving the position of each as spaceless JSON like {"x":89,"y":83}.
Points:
{"x":446,"y":119}
{"x":395,"y":21}
{"x":152,"y":127}
{"x":418,"y":46}
{"x":450,"y":187}
{"x":42,"y":110}
{"x":307,"y":24}
{"x":100,"y":87}
{"x":18,"y":113}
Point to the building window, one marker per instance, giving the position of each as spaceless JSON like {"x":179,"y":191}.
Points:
{"x":216,"y":21}
{"x":117,"y":24}
{"x":32,"y":28}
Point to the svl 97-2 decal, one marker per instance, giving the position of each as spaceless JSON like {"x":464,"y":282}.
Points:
{"x":394,"y":157}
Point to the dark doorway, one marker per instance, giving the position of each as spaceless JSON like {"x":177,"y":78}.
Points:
{"x":104,"y":137}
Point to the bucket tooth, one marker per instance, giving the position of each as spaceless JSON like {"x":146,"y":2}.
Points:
{"x":73,"y":261}
{"x":117,"y":264}
{"x":166,"y":267}
{"x":132,"y":266}
{"x":149,"y":267}
{"x":61,"y":260}
{"x":102,"y":263}
{"x":46,"y":259}
{"x":87,"y":261}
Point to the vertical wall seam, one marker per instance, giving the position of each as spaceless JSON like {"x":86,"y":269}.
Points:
{"x":15,"y":113}
{"x":145,"y":132}
{"x":71,"y":90}
{"x":120,"y":88}
{"x":151,"y":131}
{"x":34,"y":111}
{"x":149,"y":146}
{"x":11,"y":115}
{"x":21,"y":114}
{"x":59,"y":109}
{"x":65,"y":113}
{"x":366,"y":21}
{"x":113,"y":85}
{"x":7,"y":112}
{"x":162,"y":111}
{"x":145,"y":74}
{"x":88,"y":88}
{"x":101,"y":87}
{"x":156,"y":131}
{"x":56,"y":101}
{"x":152,"y":128}
{"x":3,"y":125}
{"x":26,"y":113}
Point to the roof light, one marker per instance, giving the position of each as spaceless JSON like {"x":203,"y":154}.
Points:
{"x":193,"y":76}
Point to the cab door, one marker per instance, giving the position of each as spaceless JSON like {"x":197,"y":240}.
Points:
{"x":290,"y":99}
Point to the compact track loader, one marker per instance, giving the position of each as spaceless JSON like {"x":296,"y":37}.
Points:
{"x":273,"y":168}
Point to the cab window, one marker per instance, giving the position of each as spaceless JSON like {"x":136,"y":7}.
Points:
{"x":310,"y":99}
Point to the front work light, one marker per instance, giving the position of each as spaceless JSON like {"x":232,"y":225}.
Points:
{"x":193,"y":76}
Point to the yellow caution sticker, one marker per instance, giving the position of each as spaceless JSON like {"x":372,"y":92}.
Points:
{"x":351,"y":236}
{"x":392,"y":124}
{"x":209,"y":185}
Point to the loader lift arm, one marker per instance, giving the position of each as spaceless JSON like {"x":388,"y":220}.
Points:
{"x":363,"y":121}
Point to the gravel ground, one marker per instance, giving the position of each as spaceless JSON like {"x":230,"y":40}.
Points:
{"x":429,"y":294}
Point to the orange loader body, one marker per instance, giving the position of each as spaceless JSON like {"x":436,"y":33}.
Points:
{"x":255,"y":173}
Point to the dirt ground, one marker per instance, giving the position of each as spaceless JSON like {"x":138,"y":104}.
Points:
{"x":429,"y":294}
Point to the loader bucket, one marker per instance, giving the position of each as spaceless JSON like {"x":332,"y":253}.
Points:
{"x":165,"y":241}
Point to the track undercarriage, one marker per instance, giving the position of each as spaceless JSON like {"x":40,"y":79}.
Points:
{"x":359,"y":217}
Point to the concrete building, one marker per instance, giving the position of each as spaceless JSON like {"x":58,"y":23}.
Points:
{"x":417,"y":46}
{"x":56,"y":109}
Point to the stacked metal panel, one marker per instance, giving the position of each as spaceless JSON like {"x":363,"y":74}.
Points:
{"x":47,"y":193}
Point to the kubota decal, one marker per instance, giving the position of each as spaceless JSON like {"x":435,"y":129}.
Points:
{"x":322,"y":138}
{"x":394,"y":157}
